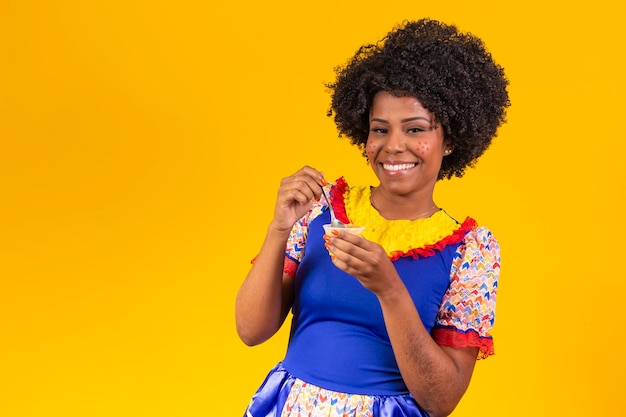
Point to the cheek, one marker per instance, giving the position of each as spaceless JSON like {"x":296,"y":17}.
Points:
{"x":371,"y":149}
{"x":422,"y":148}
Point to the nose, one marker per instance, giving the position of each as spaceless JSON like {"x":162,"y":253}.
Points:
{"x":395,"y":143}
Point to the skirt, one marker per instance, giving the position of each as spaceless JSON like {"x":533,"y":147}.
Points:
{"x":283,"y":395}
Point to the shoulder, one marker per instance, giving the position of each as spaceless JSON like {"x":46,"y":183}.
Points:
{"x":480,"y":234}
{"x":479,"y":243}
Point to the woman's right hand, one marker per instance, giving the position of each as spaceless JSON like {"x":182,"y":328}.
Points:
{"x":296,"y":196}
{"x":267,"y":294}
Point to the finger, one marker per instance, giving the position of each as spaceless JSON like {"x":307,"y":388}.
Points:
{"x":348,"y":264}
{"x":299,"y":196}
{"x":348,"y":253}
{"x":309,"y":186}
{"x":315,"y":174}
{"x":306,"y":180}
{"x":351,"y":240}
{"x":303,"y":187}
{"x":300,"y":185}
{"x":349,"y":236}
{"x":308,"y":171}
{"x":339,"y":263}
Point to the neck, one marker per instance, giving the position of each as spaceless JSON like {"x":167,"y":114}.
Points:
{"x":398,"y":207}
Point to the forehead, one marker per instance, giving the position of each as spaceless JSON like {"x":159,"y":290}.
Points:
{"x":385,"y":103}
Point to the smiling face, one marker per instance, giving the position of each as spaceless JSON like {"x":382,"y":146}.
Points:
{"x":405,"y":147}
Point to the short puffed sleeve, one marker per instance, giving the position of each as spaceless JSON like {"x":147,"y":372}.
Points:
{"x":297,"y":238}
{"x":296,"y":242}
{"x":467,"y":312}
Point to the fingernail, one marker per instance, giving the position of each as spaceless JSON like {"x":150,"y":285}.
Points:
{"x":326,"y":237}
{"x":324,"y":181}
{"x":327,"y":245}
{"x":335,"y":232}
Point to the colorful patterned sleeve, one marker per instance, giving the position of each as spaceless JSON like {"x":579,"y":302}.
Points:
{"x":297,"y":239}
{"x":467,"y":312}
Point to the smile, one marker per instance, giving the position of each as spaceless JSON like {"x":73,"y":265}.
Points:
{"x":398,"y":167}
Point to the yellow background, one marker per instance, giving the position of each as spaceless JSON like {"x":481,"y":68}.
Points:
{"x":141,"y":146}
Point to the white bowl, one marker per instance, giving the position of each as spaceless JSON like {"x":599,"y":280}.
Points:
{"x":350,"y":228}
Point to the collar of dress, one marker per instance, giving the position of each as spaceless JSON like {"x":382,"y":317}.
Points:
{"x":399,"y":238}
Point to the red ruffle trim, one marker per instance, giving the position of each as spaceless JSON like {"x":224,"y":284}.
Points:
{"x":429,"y":250}
{"x":450,"y":336}
{"x":337,"y":200}
{"x":339,"y":206}
{"x":290,"y":267}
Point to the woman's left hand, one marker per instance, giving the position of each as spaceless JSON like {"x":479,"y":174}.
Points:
{"x":363,"y":259}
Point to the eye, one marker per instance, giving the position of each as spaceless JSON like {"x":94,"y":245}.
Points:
{"x":379,"y":130}
{"x":416,"y":130}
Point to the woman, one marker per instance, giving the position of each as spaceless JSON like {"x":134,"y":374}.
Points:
{"x":389,"y":322}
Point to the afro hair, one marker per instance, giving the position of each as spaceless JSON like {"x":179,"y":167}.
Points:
{"x":449,"y":72}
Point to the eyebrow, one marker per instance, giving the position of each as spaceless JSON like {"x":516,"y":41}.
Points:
{"x":410,"y":119}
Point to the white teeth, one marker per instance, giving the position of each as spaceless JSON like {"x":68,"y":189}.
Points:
{"x":398,"y":167}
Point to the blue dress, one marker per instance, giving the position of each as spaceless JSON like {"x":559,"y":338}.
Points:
{"x":339,"y":360}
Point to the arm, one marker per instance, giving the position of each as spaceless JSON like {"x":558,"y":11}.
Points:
{"x":436,"y":376}
{"x":266,"y":295}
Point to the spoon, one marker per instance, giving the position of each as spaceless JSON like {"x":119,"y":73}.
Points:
{"x":333,"y":220}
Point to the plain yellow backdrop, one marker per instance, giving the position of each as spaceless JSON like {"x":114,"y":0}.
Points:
{"x":141,"y":146}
